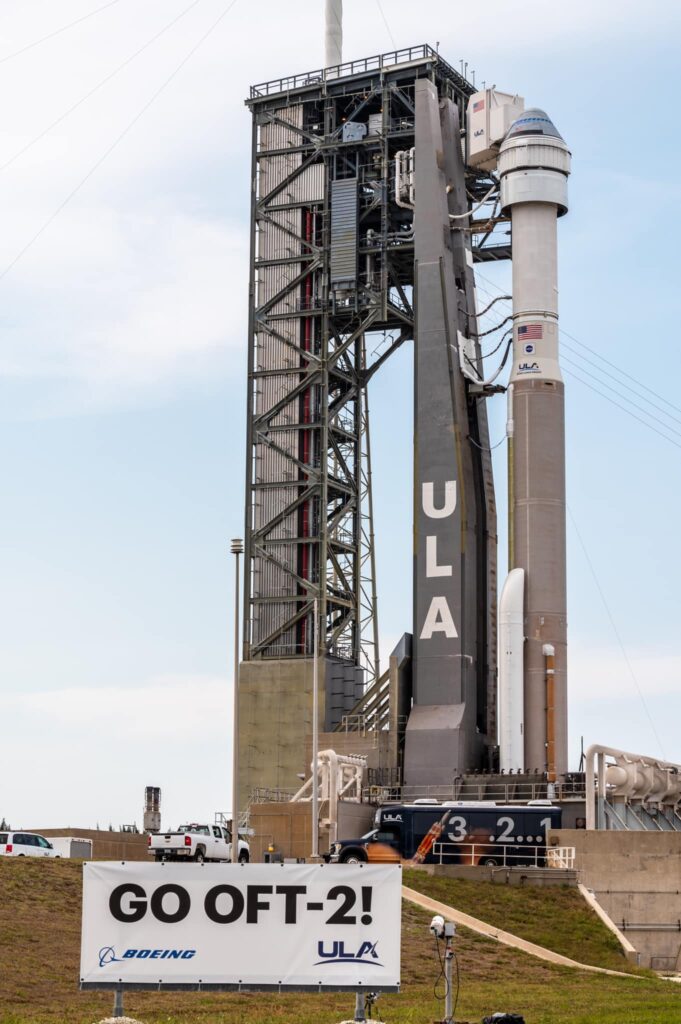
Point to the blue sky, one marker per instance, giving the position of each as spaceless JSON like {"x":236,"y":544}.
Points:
{"x":122,"y":358}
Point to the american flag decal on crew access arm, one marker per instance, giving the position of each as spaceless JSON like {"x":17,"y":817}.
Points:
{"x":480,"y":105}
{"x":530,"y":332}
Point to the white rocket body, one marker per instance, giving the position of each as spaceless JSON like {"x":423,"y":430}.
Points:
{"x":534,"y":163}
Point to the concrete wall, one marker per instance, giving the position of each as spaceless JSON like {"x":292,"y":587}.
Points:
{"x":636,"y":877}
{"x":105,"y":845}
{"x":288,"y":827}
{"x":519,"y":877}
{"x":275,"y":721}
{"x":285,"y":826}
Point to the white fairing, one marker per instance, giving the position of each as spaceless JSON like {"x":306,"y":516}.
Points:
{"x":511,"y":641}
{"x":334,"y":33}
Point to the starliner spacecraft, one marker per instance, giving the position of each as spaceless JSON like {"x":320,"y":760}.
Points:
{"x":378,"y":186}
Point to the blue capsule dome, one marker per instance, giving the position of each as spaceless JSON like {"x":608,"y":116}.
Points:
{"x":534,"y":122}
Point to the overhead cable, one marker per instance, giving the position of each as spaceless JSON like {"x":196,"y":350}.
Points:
{"x":571,"y":362}
{"x":614,"y":366}
{"x":58,"y":31}
{"x":623,"y":408}
{"x":100,"y":84}
{"x":95,"y":167}
{"x":617,"y":633}
{"x":615,"y":380}
{"x":385,"y":22}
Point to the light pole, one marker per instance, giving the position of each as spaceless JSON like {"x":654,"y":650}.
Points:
{"x":237,"y":549}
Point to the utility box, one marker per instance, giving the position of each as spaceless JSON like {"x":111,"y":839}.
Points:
{"x":489,"y":116}
{"x":71,"y":847}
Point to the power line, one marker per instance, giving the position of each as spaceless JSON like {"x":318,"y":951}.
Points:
{"x":117,"y":140}
{"x":623,"y":372}
{"x":585,"y":359}
{"x":593,"y":352}
{"x":616,"y":632}
{"x":624,"y":408}
{"x":58,"y":31}
{"x":385,"y":22}
{"x":571,"y":362}
{"x":99,"y":85}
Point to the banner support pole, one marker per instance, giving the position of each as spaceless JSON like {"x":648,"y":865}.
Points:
{"x":118,"y":1002}
{"x":360,"y":1006}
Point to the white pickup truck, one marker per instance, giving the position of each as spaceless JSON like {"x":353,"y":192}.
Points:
{"x":197,"y":843}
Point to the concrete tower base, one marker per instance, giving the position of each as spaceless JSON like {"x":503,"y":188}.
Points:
{"x":275,"y":717}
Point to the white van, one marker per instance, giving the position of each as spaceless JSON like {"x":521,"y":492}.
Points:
{"x":25,"y":844}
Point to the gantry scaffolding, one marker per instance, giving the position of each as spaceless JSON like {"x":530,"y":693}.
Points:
{"x":331,"y":286}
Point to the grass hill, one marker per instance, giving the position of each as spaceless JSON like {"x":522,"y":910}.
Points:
{"x":557,"y":918}
{"x":39,"y":952}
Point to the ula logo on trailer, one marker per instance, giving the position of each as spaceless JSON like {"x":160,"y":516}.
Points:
{"x":366,"y":954}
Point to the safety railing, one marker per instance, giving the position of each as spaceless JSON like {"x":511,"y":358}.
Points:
{"x":266,"y":795}
{"x":484,"y":789}
{"x":349,"y":68}
{"x":561,"y":857}
{"x":501,"y":855}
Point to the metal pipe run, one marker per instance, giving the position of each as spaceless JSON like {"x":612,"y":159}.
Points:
{"x":549,"y":653}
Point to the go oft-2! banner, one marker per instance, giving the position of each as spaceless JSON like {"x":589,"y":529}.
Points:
{"x":241,"y":926}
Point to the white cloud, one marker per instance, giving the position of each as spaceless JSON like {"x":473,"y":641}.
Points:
{"x":156,"y":296}
{"x":600,"y":674}
{"x":167,"y":708}
{"x":141,"y":276}
{"x":140,"y":282}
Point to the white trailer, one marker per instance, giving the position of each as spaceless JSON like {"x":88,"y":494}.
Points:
{"x":72,"y":847}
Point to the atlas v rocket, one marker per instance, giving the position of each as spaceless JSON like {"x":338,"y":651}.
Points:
{"x":534,"y":163}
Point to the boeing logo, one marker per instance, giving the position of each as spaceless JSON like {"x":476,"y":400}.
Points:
{"x":107,"y":955}
{"x":366,"y":954}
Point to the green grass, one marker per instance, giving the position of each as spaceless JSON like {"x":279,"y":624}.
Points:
{"x":39,"y":949}
{"x":555,"y":917}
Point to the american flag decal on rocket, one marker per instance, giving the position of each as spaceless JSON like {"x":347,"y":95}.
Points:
{"x":479,"y":105}
{"x":530,"y":332}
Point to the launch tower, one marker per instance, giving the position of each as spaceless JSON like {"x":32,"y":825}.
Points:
{"x":357,"y":170}
{"x":374,"y":194}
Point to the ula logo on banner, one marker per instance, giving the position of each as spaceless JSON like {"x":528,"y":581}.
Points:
{"x":366,"y":954}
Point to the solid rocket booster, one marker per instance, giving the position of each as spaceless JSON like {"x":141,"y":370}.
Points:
{"x":534,"y":164}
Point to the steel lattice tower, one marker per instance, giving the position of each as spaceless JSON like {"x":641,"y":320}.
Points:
{"x":332,"y":280}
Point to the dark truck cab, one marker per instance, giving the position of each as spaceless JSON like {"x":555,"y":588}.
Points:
{"x":378,"y":846}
